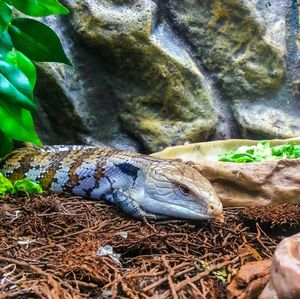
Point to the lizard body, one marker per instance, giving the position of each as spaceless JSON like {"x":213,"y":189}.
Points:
{"x":143,"y":186}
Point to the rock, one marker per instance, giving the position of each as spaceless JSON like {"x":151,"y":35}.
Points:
{"x":285,"y":271}
{"x":77,"y":104}
{"x":161,"y":95}
{"x":150,"y":74}
{"x":256,"y":121}
{"x":243,"y":45}
{"x":261,"y":183}
{"x":233,"y":41}
{"x":250,"y":280}
{"x":242,"y":184}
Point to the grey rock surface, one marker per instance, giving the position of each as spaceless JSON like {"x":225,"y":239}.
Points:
{"x":150,"y":74}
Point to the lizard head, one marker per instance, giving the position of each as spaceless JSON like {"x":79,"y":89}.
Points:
{"x":178,"y":190}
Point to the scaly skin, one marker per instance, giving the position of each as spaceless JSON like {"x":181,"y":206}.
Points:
{"x":143,"y":186}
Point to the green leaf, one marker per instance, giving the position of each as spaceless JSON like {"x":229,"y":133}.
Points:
{"x":237,"y":157}
{"x":17,"y":124}
{"x":297,"y":152}
{"x":6,"y":186}
{"x":26,"y":186}
{"x":15,"y":88}
{"x":24,"y":64}
{"x":262,"y":152}
{"x":5,"y":16}
{"x":6,"y":144}
{"x":37,"y":41}
{"x":40,"y":8}
{"x":5,"y":44}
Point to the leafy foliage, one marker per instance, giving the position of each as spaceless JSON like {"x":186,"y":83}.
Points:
{"x":7,"y":145}
{"x":5,"y":16}
{"x":23,"y":40}
{"x":262,"y":152}
{"x":24,"y":64}
{"x":36,"y":40}
{"x":18,"y":187}
{"x":39,"y":8}
{"x":15,"y":87}
{"x":6,"y":187}
{"x":26,"y":186}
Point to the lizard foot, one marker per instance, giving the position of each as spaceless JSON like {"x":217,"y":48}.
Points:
{"x":132,"y":207}
{"x":128,"y":204}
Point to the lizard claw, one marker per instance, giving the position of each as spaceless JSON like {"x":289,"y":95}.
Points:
{"x":130,"y":206}
{"x":154,"y":216}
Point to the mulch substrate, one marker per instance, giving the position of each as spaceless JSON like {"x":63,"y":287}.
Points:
{"x":52,"y":247}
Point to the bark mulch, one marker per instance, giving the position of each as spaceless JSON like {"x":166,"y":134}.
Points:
{"x":51,"y":247}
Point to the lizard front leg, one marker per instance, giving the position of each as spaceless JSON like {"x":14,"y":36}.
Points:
{"x":131,"y":206}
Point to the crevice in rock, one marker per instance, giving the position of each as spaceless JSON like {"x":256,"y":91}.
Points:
{"x":292,"y":31}
{"x":293,"y":55}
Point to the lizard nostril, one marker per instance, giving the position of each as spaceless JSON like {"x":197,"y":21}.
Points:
{"x":212,"y":209}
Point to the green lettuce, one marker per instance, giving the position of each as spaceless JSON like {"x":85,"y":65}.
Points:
{"x":18,"y":187}
{"x":263,"y":151}
{"x":26,"y":186}
{"x":6,"y":187}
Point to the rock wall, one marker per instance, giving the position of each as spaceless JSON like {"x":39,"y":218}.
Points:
{"x":150,"y":74}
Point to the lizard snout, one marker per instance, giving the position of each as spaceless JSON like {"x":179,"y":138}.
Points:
{"x":214,"y":209}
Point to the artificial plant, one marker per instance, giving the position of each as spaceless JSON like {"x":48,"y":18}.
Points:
{"x":22,"y":41}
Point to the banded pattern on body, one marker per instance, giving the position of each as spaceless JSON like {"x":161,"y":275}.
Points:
{"x":136,"y":182}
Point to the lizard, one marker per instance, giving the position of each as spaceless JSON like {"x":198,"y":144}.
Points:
{"x":145,"y":187}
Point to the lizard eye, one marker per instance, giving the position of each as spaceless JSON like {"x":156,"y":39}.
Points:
{"x":184,"y":190}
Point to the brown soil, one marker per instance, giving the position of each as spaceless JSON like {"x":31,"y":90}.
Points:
{"x":49,"y":249}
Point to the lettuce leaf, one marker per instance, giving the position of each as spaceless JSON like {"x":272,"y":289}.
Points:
{"x":6,"y":186}
{"x":26,"y":186}
{"x":263,"y":151}
{"x":19,"y":187}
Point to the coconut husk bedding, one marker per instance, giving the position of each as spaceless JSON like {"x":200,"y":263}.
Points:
{"x":51,"y":247}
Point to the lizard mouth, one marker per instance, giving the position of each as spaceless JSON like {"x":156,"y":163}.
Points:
{"x":185,"y":212}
